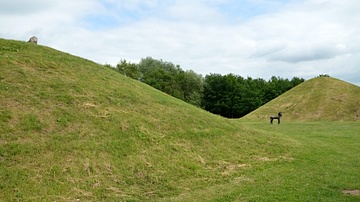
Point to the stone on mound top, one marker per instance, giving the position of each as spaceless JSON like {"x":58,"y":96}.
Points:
{"x":33,"y":39}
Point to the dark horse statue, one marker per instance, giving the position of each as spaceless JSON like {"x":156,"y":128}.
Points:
{"x":276,"y":117}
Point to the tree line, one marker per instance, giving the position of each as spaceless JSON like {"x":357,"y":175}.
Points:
{"x":230,"y":95}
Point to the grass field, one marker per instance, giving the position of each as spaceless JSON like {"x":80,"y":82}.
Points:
{"x":73,"y":130}
{"x":321,"y":161}
{"x":325,"y":161}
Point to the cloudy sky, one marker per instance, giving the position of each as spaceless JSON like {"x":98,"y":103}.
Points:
{"x":256,"y":38}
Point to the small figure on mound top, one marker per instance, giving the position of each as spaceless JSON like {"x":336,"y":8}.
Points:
{"x":276,"y":117}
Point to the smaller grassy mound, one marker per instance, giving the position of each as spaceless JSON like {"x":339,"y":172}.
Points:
{"x":322,"y":98}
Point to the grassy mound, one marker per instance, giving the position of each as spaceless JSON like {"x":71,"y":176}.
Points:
{"x":72,"y":129}
{"x":322,"y":98}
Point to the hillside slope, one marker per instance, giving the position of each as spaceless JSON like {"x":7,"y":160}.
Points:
{"x":322,"y":98}
{"x":71,"y":129}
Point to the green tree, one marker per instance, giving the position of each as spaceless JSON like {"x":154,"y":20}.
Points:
{"x":213,"y":97}
{"x":161,"y":75}
{"x":230,"y":95}
{"x":192,"y":86}
{"x":128,"y":69}
{"x":222,"y":94}
{"x":253,"y":95}
{"x":296,"y":81}
{"x":233,"y":96}
{"x":166,"y":77}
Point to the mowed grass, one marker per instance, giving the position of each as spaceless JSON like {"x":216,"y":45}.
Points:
{"x":322,"y":161}
{"x":326,"y":161}
{"x":72,"y":130}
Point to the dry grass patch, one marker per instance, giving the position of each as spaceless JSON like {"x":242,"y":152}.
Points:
{"x":355,"y":192}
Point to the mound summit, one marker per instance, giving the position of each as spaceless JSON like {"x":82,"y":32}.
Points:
{"x":317,"y":99}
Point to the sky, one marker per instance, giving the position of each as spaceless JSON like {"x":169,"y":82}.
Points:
{"x":255,"y":38}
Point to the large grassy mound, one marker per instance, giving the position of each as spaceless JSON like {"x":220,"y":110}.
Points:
{"x":322,"y":98}
{"x":72,"y":129}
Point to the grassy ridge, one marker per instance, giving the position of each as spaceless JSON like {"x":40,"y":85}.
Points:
{"x":73,"y":130}
{"x":322,"y":98}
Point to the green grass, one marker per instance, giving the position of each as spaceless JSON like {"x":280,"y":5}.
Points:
{"x":322,"y":159}
{"x":325,"y":161}
{"x":71,"y":129}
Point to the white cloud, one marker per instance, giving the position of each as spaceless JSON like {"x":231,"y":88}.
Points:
{"x":19,"y":7}
{"x":289,"y":38}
